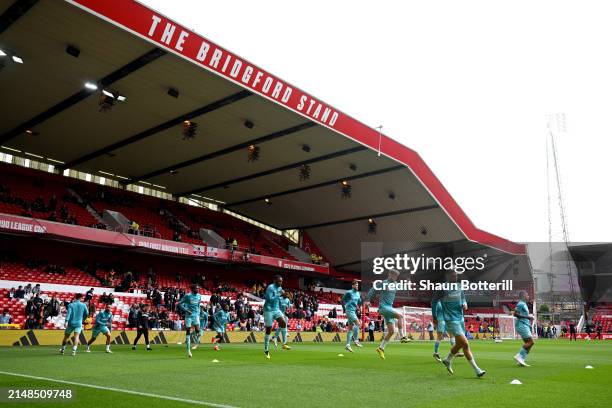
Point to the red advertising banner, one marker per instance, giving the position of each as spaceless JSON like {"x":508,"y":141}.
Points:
{"x":21,"y":224}
{"x":78,"y":233}
{"x":177,"y":39}
{"x":288,"y":264}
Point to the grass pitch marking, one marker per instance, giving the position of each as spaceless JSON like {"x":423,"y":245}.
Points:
{"x":141,"y":394}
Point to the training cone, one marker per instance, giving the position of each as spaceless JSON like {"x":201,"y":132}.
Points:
{"x":515,"y":382}
{"x":589,"y":367}
{"x":340,"y":355}
{"x":215,"y":361}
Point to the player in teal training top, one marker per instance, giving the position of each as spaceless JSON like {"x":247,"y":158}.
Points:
{"x":203,"y":322}
{"x":283,"y":304}
{"x":273,"y":313}
{"x":523,"y":328}
{"x":386,"y":297}
{"x":190,"y":304}
{"x":76,"y":313}
{"x":104,"y":321}
{"x":453,"y":304}
{"x":439,"y":324}
{"x":221,"y":318}
{"x":350,"y":302}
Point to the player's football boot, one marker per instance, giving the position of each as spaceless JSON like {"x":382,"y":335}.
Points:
{"x":189,"y":354}
{"x":133,"y":347}
{"x":194,"y":347}
{"x":520,"y":361}
{"x":405,"y":340}
{"x":358,"y":344}
{"x":381,"y":352}
{"x":61,"y":351}
{"x":437,"y":357}
{"x":73,"y":353}
{"x":449,"y":366}
{"x":87,"y":350}
{"x":109,"y":351}
{"x":267,"y":354}
{"x":480,"y":373}
{"x":286,"y":347}
{"x":216,"y":348}
{"x":348,"y":348}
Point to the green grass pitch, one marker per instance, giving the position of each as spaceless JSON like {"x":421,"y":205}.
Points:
{"x":312,"y":374}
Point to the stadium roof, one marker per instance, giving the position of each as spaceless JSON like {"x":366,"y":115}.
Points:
{"x":127,"y":49}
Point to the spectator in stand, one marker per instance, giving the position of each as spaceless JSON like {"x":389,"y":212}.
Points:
{"x":37,"y":300}
{"x":36,"y":290}
{"x":164,"y":320}
{"x":156,"y":298}
{"x":132,"y":316}
{"x":31,"y":322}
{"x":89,"y":295}
{"x":31,"y":308}
{"x":28,"y":289}
{"x":11,"y":293}
{"x":333,"y":314}
{"x":6,"y":317}
{"x":154,"y":319}
{"x":54,"y":307}
{"x":215,"y":299}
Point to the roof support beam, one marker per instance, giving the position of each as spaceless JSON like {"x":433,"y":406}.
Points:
{"x":161,"y":127}
{"x":366,"y":217}
{"x":84,"y":93}
{"x":227,"y":150}
{"x":14,"y":13}
{"x":276,"y":170}
{"x":318,"y":185}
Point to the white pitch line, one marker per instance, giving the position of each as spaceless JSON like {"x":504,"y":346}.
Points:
{"x":99,"y":387}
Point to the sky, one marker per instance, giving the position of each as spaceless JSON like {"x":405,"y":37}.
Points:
{"x":469,"y":85}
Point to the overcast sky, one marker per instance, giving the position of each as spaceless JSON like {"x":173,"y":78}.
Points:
{"x":467,"y":84}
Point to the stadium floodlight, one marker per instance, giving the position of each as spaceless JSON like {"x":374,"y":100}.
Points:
{"x":267,"y":201}
{"x":346,"y":189}
{"x":91,"y":86}
{"x":371,"y":226}
{"x":107,"y":93}
{"x":17,"y":59}
{"x":253,"y":153}
{"x":121,"y":98}
{"x":2,"y":53}
{"x":189,"y":130}
{"x":304,"y":172}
